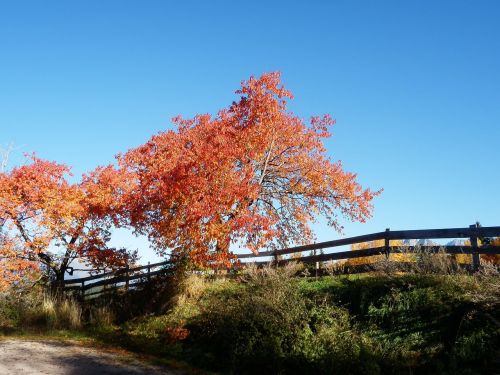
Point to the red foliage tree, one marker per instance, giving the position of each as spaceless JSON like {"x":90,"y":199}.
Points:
{"x":255,"y":174}
{"x":45,"y":220}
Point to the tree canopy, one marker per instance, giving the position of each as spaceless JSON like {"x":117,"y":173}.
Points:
{"x":47,"y":221}
{"x":255,"y":175}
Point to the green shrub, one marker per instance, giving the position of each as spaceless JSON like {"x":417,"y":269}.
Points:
{"x":269,"y":321}
{"x":53,"y":312}
{"x":269,"y":327}
{"x":34,"y":308}
{"x":101,"y":316}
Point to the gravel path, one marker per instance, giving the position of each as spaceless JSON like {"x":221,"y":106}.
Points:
{"x":30,"y":357}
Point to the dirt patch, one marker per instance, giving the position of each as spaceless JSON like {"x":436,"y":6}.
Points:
{"x":30,"y":357}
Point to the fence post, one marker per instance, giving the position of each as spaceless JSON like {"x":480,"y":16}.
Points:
{"x":275,"y":259}
{"x":316,"y":265}
{"x":149,"y":271}
{"x":126,"y":276}
{"x":387,"y":243}
{"x":83,"y":290}
{"x":476,"y":260}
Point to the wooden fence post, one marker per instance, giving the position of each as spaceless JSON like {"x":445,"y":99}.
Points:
{"x":83,"y":290}
{"x":387,"y":243}
{"x":126,"y":276}
{"x":149,"y":271}
{"x":476,"y":260}
{"x":316,"y":265}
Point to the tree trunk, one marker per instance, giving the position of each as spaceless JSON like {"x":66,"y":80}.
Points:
{"x":57,"y":284}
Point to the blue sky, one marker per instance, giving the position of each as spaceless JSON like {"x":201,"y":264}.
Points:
{"x":414,"y":86}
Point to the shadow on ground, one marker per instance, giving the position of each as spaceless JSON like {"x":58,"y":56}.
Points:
{"x":30,"y":357}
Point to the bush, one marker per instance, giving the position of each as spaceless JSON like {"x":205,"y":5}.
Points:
{"x":269,"y":321}
{"x":101,"y":316}
{"x":12,"y":307}
{"x":34,"y":308}
{"x":53,"y":312}
{"x":268,"y":327}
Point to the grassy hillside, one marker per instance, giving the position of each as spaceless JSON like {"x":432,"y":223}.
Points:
{"x":271,"y":322}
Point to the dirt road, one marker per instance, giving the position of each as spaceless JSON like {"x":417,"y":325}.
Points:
{"x":30,"y":357}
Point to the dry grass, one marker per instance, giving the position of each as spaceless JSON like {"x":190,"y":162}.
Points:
{"x":254,"y":274}
{"x":60,"y":312}
{"x":334,"y":268}
{"x":420,"y":261}
{"x":485,"y":288}
{"x":190,"y":287}
{"x":101,"y":316}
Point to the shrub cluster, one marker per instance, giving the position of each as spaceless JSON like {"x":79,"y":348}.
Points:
{"x":271,"y":322}
{"x":275,"y":323}
{"x":33,"y":308}
{"x":269,"y":327}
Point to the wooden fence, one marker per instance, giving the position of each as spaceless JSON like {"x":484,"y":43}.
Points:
{"x":123,"y":278}
{"x":132,"y":277}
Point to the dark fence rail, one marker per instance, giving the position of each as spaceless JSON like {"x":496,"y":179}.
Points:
{"x":123,"y":278}
{"x":473,"y":233}
{"x":132,"y":277}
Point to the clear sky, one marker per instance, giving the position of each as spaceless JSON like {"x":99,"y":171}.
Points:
{"x":414,"y":86}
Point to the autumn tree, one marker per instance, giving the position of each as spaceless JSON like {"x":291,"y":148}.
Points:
{"x":12,"y":268}
{"x":492,"y":258}
{"x":47,"y":221}
{"x":397,"y":257}
{"x":408,"y":257}
{"x":255,"y":175}
{"x":489,"y":258}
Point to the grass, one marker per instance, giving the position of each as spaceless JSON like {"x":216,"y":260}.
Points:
{"x":395,"y":323}
{"x":271,"y":322}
